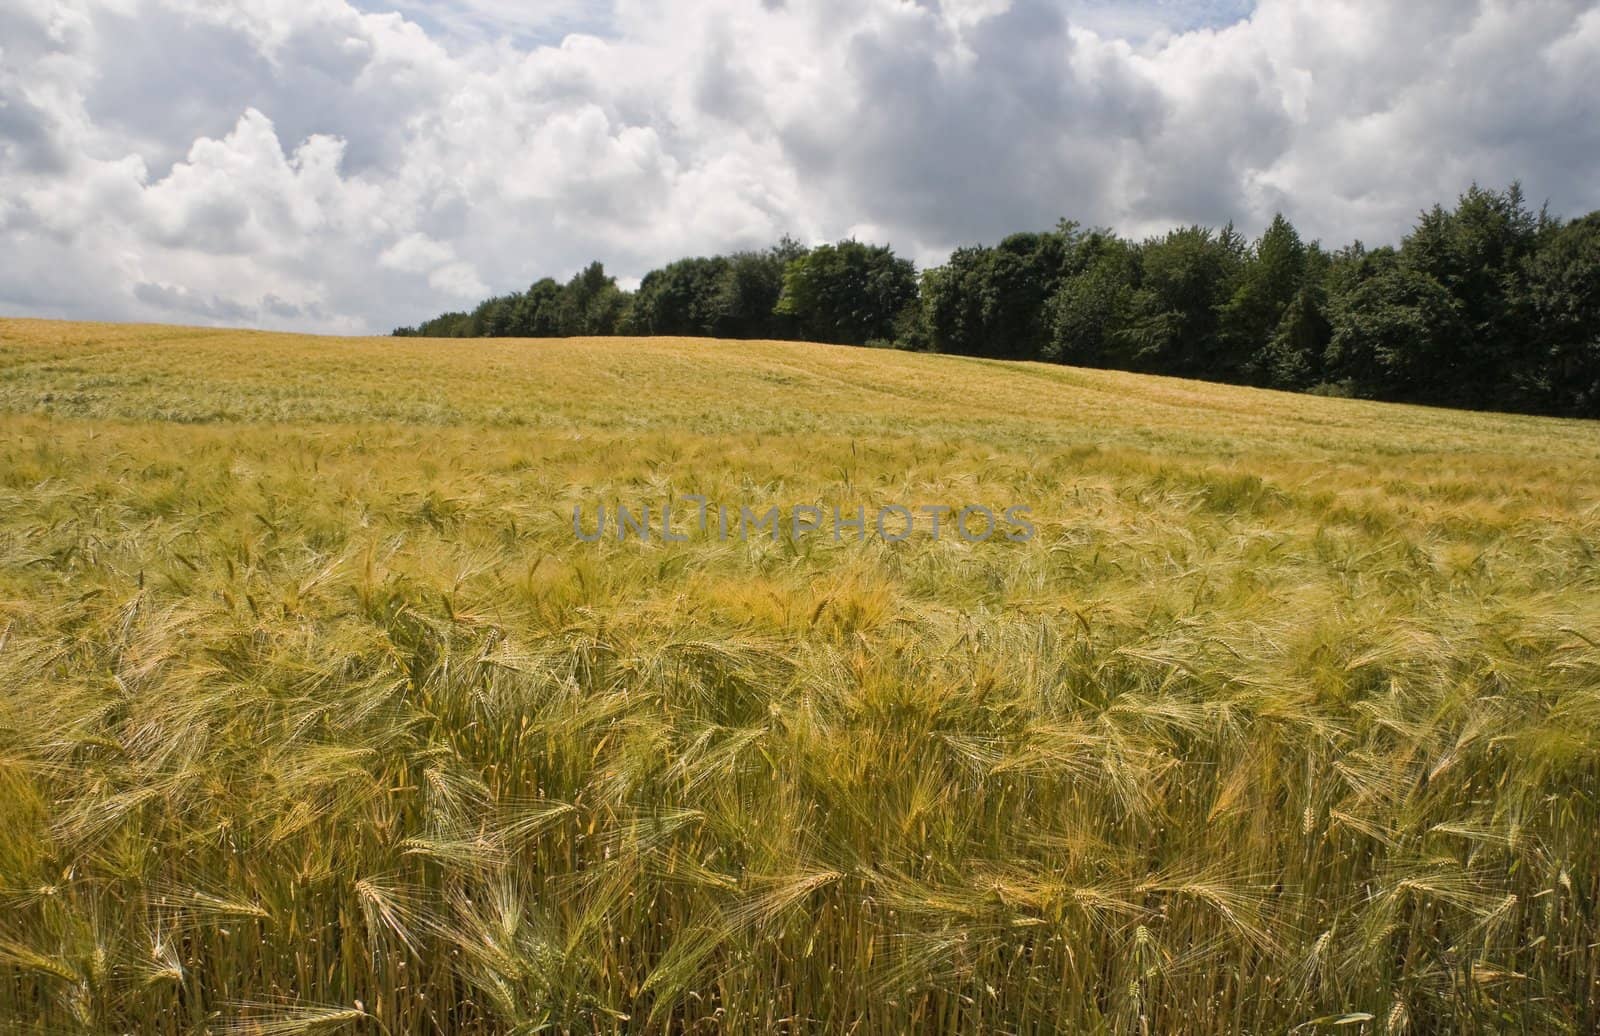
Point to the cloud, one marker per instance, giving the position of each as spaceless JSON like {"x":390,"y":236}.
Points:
{"x":179,"y":299}
{"x":479,"y":21}
{"x":315,"y":165}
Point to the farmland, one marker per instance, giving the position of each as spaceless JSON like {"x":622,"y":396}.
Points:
{"x":316,"y":715}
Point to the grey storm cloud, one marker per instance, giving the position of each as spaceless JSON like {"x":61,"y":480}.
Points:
{"x":323,"y":165}
{"x":180,"y":300}
{"x":1013,"y":136}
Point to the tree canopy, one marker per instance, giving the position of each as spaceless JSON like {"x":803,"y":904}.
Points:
{"x":1488,"y":304}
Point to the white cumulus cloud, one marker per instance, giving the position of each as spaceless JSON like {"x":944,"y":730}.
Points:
{"x":323,"y":165}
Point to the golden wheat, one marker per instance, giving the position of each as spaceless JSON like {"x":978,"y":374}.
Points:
{"x":317,"y":716}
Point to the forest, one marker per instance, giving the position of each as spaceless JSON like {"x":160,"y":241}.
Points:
{"x":1489,"y":305}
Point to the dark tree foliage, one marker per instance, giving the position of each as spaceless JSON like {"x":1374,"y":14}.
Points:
{"x":1294,"y":353}
{"x":1488,"y":305}
{"x":1270,"y":279}
{"x":849,"y":293}
{"x":1395,"y":332}
{"x":995,"y":301}
{"x":1092,"y":305}
{"x":446,"y":325}
{"x":1175,"y":320}
{"x":682,"y":298}
{"x":751,"y":289}
{"x":589,"y":304}
{"x":538,"y":311}
{"x":1564,"y":282}
{"x":733,"y":296}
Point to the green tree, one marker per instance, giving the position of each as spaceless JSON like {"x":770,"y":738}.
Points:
{"x":1397,"y":333}
{"x":995,"y":301}
{"x":1184,"y":278}
{"x":537,"y":313}
{"x":1270,"y":278}
{"x":749,"y":291}
{"x":849,"y":293}
{"x":1091,"y":308}
{"x":1564,"y":279}
{"x":682,"y":298}
{"x":952,"y":303}
{"x":1450,"y":320}
{"x":1479,"y":253}
{"x":1487,"y":304}
{"x":1293,"y":356}
{"x":720,"y":297}
{"x":591,"y":303}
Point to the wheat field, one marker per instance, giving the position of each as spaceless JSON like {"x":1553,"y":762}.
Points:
{"x":316,"y":716}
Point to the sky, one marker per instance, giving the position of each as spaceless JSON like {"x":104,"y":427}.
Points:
{"x":347,"y":167}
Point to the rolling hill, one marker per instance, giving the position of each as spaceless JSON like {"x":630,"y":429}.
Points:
{"x":318,"y":712}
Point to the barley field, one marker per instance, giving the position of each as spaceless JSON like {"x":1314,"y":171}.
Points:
{"x":316,"y":716}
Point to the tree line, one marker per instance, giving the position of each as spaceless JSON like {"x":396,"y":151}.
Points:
{"x":1487,"y":305}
